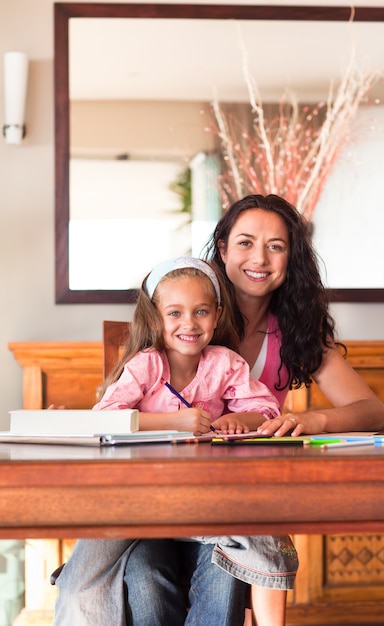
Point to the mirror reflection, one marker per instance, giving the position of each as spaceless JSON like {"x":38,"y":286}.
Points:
{"x":144,"y":155}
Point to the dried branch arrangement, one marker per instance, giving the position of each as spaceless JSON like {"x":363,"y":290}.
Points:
{"x":292,"y":152}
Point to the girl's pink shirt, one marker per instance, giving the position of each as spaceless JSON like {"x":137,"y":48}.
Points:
{"x":222,"y":384}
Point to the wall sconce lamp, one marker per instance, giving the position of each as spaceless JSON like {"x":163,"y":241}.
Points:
{"x":15,"y":91}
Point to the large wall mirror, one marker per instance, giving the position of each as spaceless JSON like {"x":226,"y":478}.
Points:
{"x":134,"y":85}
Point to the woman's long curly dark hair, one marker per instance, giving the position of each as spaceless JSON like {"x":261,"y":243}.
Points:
{"x":300,"y":303}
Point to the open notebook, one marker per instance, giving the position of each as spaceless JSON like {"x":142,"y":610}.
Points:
{"x":111,"y":439}
{"x":117,"y":439}
{"x":106,"y":439}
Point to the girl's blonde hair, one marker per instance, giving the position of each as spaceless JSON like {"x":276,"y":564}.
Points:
{"x":147,"y":327}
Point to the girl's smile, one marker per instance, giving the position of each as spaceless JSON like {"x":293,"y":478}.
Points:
{"x":189,"y":338}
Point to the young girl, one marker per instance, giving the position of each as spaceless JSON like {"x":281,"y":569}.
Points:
{"x":178,"y":319}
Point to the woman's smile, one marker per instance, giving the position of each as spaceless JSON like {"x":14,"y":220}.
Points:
{"x":256,"y":275}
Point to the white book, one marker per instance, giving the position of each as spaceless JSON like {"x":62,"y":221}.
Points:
{"x":73,"y":421}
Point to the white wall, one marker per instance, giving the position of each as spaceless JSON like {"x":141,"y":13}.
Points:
{"x":27,"y":308}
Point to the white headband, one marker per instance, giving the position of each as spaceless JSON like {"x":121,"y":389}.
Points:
{"x":180,"y":262}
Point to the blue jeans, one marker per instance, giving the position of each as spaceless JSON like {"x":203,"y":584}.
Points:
{"x":154,"y":595}
{"x":91,"y":588}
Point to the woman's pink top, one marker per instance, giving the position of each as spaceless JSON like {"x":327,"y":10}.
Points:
{"x":268,"y":362}
{"x":222,"y":384}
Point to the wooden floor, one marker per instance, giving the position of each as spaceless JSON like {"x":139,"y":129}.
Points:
{"x":44,"y":618}
{"x":33,"y":618}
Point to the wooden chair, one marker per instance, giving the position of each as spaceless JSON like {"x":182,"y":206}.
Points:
{"x":114,"y":336}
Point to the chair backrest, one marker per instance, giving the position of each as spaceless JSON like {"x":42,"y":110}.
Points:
{"x":114,"y":336}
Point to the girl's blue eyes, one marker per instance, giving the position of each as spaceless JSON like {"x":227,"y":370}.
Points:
{"x":198,"y":312}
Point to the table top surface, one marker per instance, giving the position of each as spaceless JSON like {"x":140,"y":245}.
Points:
{"x":158,"y":490}
{"x":177,"y":451}
{"x":233,"y":457}
{"x":167,"y":450}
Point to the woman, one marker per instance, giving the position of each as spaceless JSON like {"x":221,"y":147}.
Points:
{"x":262,"y":251}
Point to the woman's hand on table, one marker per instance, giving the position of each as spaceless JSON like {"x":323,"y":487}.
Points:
{"x":282,"y":426}
{"x":295,"y":424}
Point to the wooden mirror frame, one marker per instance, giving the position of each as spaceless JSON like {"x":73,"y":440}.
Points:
{"x":63,"y":12}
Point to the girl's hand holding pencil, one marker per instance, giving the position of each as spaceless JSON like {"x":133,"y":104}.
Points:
{"x":201,"y":420}
{"x":194,"y":420}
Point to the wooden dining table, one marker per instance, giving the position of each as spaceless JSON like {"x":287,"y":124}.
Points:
{"x":169,"y":490}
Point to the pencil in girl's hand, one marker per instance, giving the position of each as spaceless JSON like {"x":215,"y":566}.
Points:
{"x":178,"y":395}
{"x":183,"y":400}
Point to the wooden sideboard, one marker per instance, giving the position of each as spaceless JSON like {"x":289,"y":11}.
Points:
{"x":341,"y":577}
{"x":66,"y":373}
